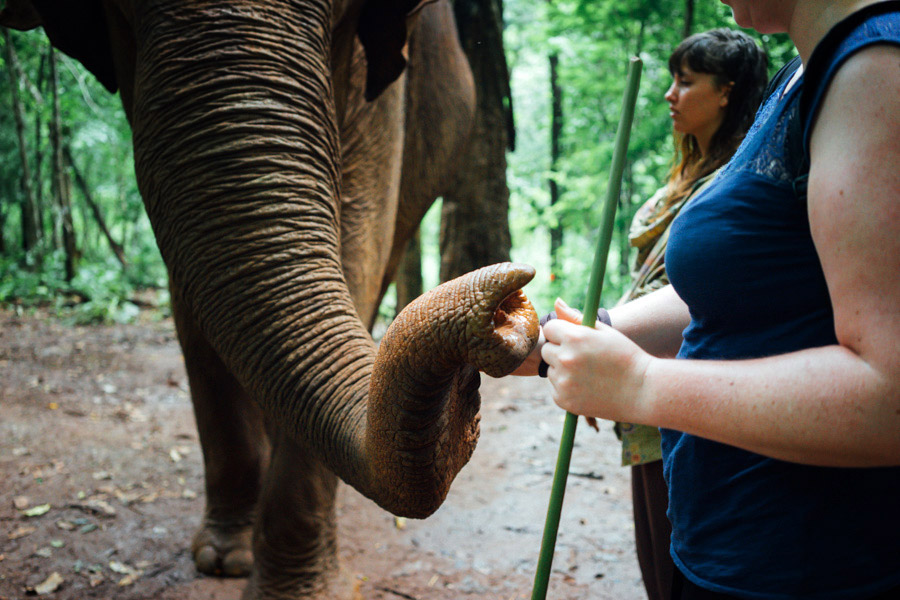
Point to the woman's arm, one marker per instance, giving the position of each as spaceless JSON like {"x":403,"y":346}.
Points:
{"x":837,"y":405}
{"x":654,"y":322}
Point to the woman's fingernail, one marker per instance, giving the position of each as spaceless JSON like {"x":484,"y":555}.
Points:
{"x":562,"y":303}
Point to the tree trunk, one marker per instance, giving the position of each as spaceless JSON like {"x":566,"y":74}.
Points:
{"x":39,"y":158}
{"x":2,"y":229}
{"x":688,"y":18}
{"x":64,"y":227}
{"x":29,"y":213}
{"x":409,"y":273}
{"x":95,"y":209}
{"x":474,"y":216}
{"x":556,"y":121}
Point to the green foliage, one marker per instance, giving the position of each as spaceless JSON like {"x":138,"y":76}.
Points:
{"x":99,"y":293}
{"x":593,"y":39}
{"x":94,"y":127}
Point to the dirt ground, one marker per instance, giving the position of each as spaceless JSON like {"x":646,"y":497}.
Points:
{"x":101,"y":486}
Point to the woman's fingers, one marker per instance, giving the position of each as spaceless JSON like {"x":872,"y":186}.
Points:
{"x":566,"y":312}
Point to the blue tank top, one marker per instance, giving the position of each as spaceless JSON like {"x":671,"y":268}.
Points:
{"x":742,"y":258}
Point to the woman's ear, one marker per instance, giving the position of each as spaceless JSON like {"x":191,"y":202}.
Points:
{"x":382,"y":31}
{"x":725,"y":93}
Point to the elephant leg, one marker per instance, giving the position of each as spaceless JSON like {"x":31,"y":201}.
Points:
{"x":295,"y":540}
{"x":235,"y":454}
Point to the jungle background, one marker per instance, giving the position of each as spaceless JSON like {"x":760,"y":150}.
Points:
{"x":74,"y":237}
{"x":101,"y":473}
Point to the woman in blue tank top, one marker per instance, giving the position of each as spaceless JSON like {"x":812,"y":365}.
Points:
{"x":780,"y":416}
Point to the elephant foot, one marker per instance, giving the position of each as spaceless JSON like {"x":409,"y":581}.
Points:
{"x":224,"y":550}
{"x":337,"y":584}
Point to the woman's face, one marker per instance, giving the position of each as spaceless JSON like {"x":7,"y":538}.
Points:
{"x":696,"y":104}
{"x":765,"y":16}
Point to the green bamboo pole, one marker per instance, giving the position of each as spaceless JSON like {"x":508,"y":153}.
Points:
{"x":589,"y":319}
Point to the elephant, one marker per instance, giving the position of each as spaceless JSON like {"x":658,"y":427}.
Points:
{"x":285,"y":151}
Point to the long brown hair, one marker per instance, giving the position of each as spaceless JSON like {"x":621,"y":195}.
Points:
{"x":731,"y":57}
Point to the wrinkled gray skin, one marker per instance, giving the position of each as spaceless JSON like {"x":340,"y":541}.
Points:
{"x":281,"y":199}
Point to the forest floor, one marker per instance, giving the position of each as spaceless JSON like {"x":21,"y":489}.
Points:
{"x":102,"y":486}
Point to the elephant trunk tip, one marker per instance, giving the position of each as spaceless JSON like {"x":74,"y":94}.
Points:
{"x":513,"y":328}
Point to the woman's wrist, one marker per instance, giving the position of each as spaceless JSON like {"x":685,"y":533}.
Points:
{"x":647,"y":408}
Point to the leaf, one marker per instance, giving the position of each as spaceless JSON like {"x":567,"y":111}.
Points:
{"x":120,"y":568}
{"x":21,"y":532}
{"x":131,"y":574}
{"x":101,"y":508}
{"x":49,"y":585}
{"x":129,"y":579}
{"x":37,"y":511}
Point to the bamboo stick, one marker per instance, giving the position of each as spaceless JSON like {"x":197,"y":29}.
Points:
{"x":589,"y":318}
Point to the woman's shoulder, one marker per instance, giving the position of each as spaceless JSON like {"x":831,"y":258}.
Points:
{"x":850,"y":45}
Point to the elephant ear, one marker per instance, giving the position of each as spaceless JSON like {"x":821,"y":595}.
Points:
{"x":77,"y":28}
{"x":382,"y":31}
{"x":19,"y":14}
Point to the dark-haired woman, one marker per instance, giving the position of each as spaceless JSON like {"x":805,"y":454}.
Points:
{"x":718,"y":80}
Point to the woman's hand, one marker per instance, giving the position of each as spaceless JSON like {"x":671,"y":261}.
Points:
{"x":594,"y":372}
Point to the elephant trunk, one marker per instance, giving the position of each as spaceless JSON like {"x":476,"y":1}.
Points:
{"x":422,"y":421}
{"x":237,"y":158}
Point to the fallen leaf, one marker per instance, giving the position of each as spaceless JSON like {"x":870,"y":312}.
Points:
{"x":131,"y":574}
{"x":175,"y":455}
{"x":400,"y":523}
{"x":100,"y":475}
{"x":21,"y":532}
{"x":127,"y":498}
{"x":98,"y":507}
{"x":65,"y":525}
{"x":37,"y":511}
{"x":57,"y":543}
{"x":189,"y":494}
{"x":44,"y":552}
{"x":120,"y":568}
{"x":88,"y":528}
{"x":49,"y":585}
{"x":129,"y":579}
